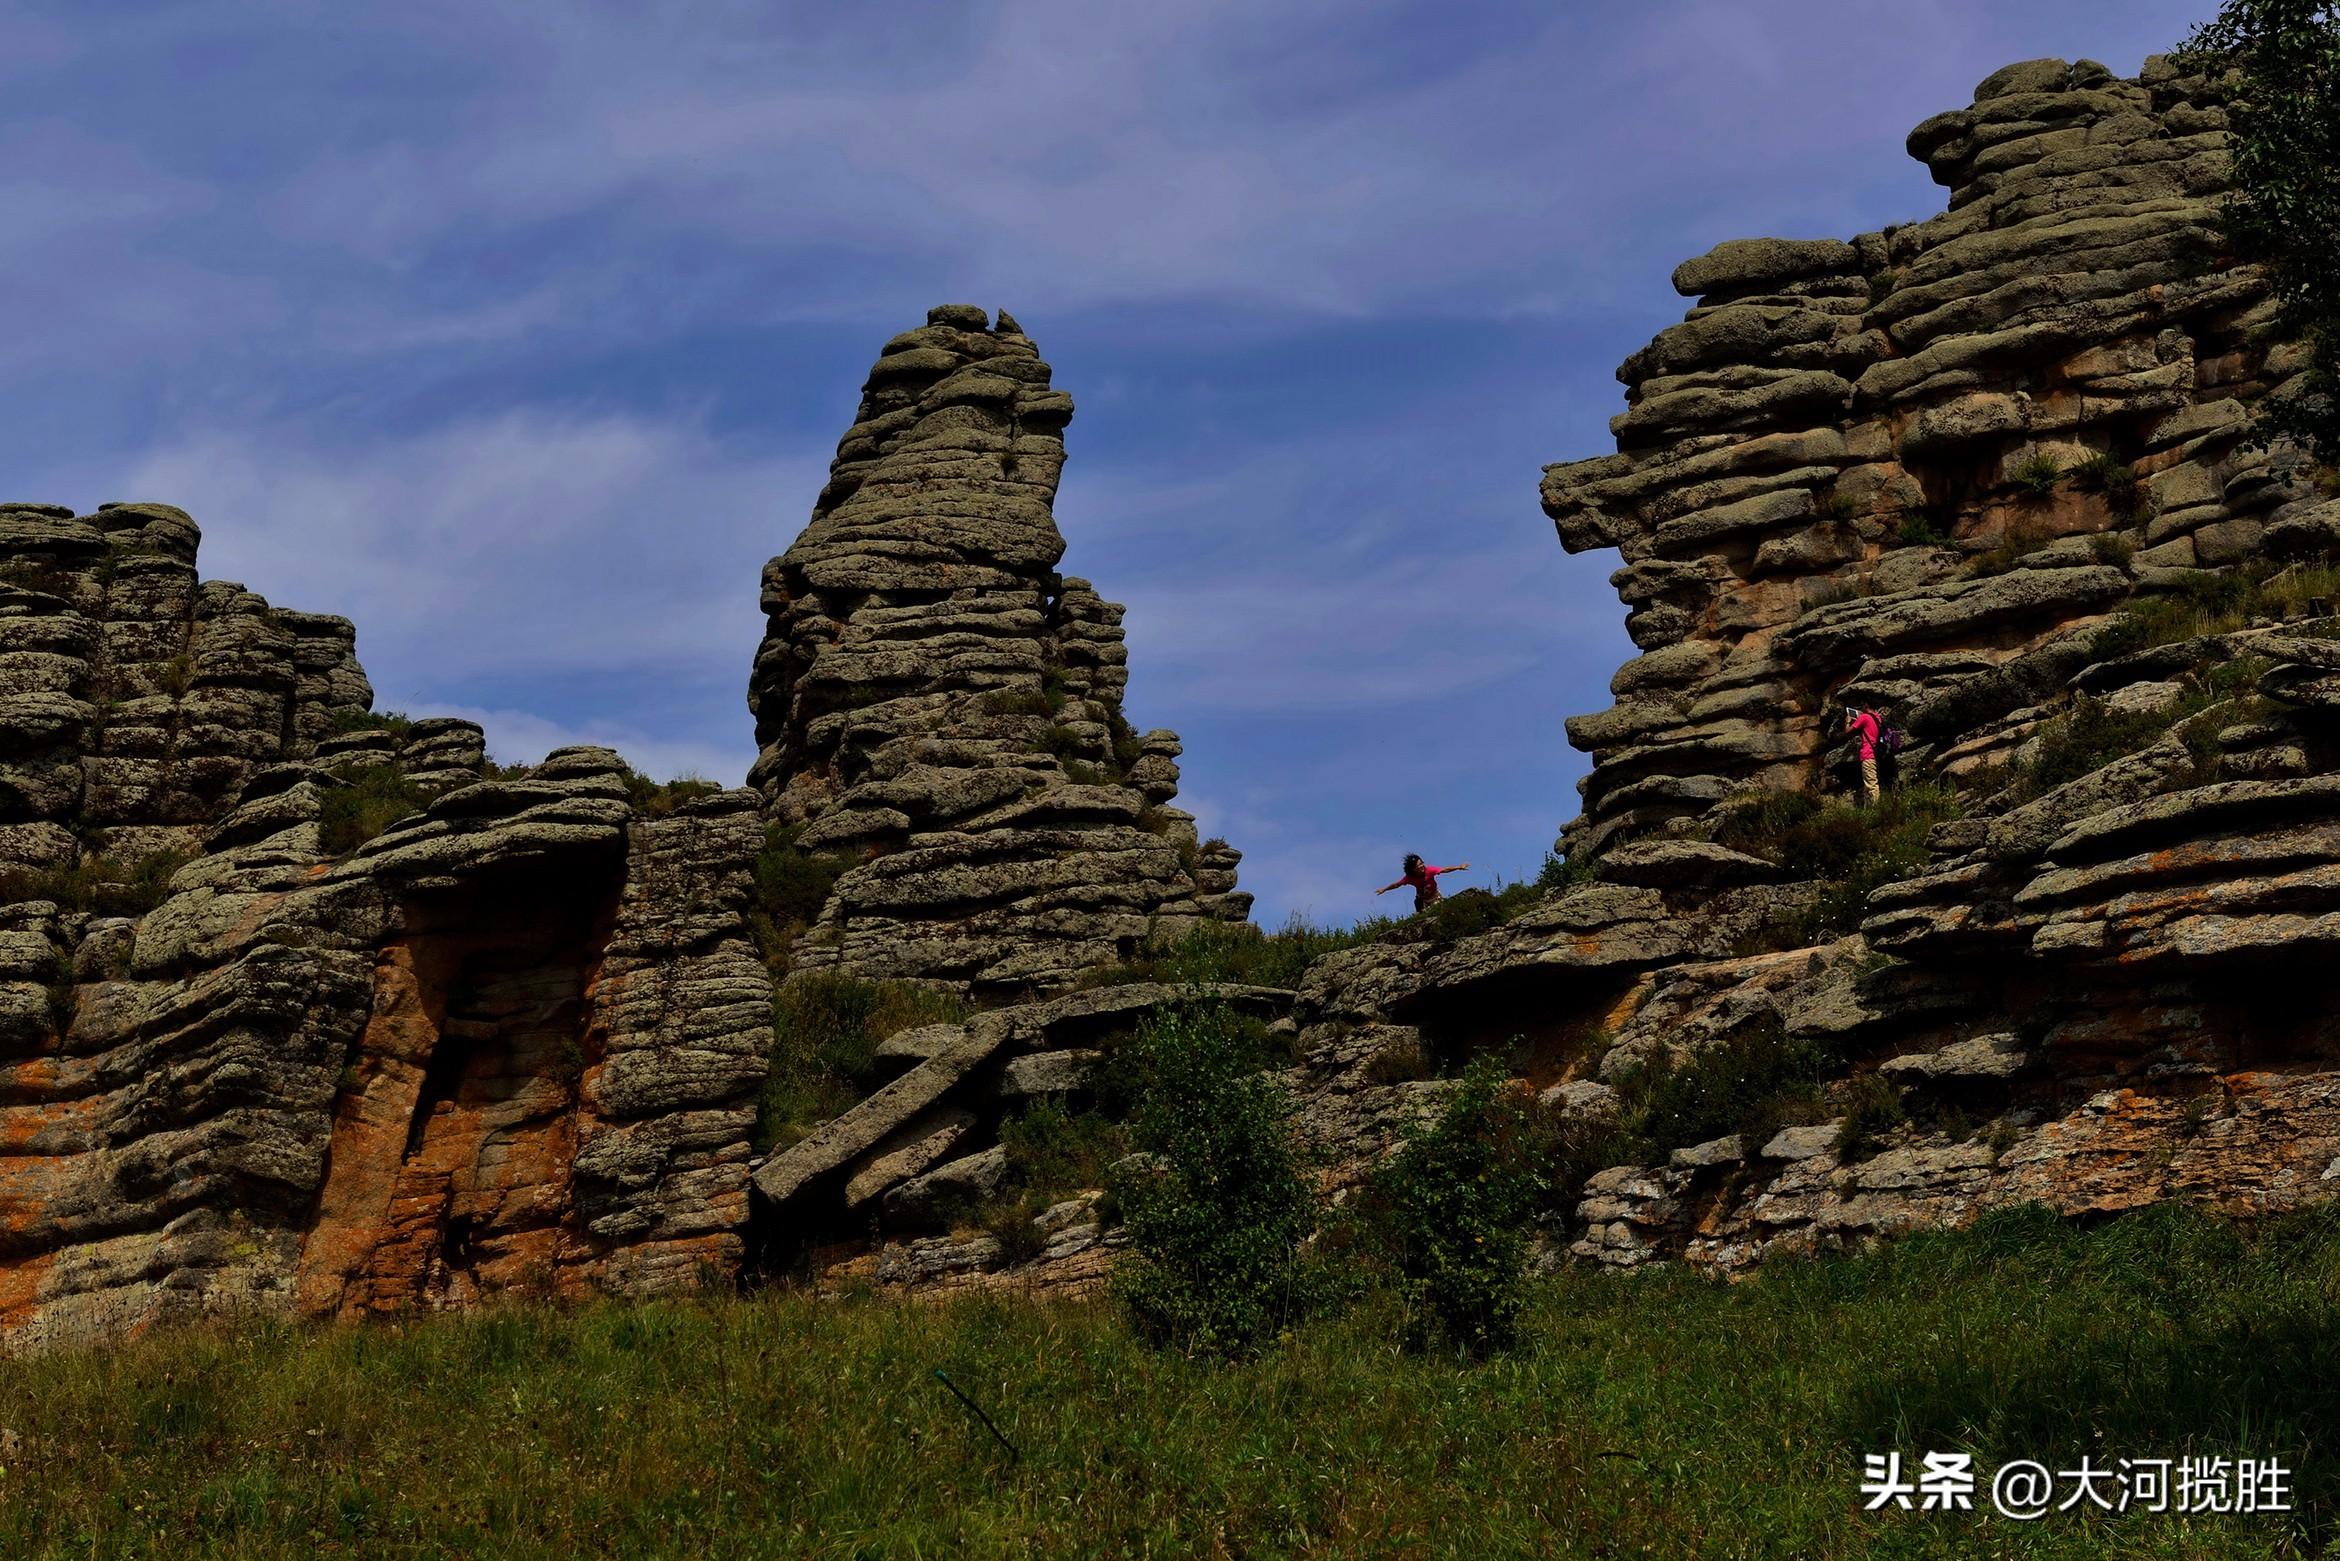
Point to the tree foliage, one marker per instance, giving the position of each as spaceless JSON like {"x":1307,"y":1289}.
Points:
{"x":1456,"y":1208}
{"x":2285,"y":211}
{"x":1218,"y":1202}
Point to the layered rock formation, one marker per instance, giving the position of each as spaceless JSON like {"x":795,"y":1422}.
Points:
{"x":1883,"y":468}
{"x":137,"y":698}
{"x":1987,"y":471}
{"x":941,"y":709}
{"x":511,"y":1041}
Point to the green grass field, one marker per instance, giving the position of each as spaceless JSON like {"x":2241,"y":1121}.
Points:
{"x":1654,"y":1415}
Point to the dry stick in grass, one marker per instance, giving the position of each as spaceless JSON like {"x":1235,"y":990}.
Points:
{"x":1014,"y":1454}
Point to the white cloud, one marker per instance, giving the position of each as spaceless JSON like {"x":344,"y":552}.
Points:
{"x":523,"y":737}
{"x":530,"y":543}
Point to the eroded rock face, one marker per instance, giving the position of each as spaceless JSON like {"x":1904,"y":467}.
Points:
{"x":939,"y":707}
{"x":1939,"y":470}
{"x":1862,"y":470}
{"x":135,"y":696}
{"x":511,"y":1042}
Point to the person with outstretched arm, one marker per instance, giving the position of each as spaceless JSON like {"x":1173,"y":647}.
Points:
{"x":1424,"y":878}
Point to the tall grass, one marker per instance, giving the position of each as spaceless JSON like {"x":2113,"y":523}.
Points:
{"x":1661,"y":1415}
{"x":825,"y":1034}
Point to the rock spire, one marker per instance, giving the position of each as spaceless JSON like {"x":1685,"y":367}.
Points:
{"x":940,"y":711}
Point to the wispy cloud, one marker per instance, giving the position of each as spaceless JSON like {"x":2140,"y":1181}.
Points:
{"x":522,"y":333}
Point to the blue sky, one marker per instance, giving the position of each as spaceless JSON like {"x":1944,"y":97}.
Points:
{"x":522,"y":334}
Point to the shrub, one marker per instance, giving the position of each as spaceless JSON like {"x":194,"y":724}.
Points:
{"x":2111,"y":547}
{"x":1838,"y":507}
{"x":1238,"y":952}
{"x":658,"y":799}
{"x":1217,"y":1208}
{"x":2021,"y":539}
{"x":1734,"y":1085}
{"x":98,"y":883}
{"x":1454,"y":1209}
{"x":791,"y":888}
{"x":1849,"y":850}
{"x":1051,"y":1148}
{"x":2090,"y":737}
{"x":1918,"y":530}
{"x":1872,"y":1107}
{"x":2114,"y":478}
{"x":825,"y":1034}
{"x":1060,"y":741}
{"x":1126,"y":747}
{"x":2037,"y":474}
{"x":1466,"y":914}
{"x":1023,"y":701}
{"x":371,"y":799}
{"x":1562,"y":873}
{"x":347,"y":720}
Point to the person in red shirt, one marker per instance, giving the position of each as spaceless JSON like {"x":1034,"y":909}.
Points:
{"x":1862,"y":724}
{"x":1424,"y":878}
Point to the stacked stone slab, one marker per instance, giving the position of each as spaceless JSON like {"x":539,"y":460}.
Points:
{"x":511,"y":1043}
{"x":938,"y":706}
{"x":135,"y":698}
{"x":2088,"y":993}
{"x":1825,"y":471}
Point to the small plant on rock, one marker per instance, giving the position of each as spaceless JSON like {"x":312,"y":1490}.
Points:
{"x":1872,"y":1108}
{"x":2037,"y":474}
{"x":2116,"y":479}
{"x":1918,"y":530}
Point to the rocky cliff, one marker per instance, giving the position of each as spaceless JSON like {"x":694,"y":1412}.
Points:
{"x":253,"y":1052}
{"x":310,"y":1009}
{"x":938,"y":705}
{"x":1989,"y":473}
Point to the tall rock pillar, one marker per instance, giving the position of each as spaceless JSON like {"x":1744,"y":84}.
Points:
{"x":939,"y":711}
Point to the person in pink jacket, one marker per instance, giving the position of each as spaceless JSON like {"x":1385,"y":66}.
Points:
{"x":1424,"y":878}
{"x":1862,"y":724}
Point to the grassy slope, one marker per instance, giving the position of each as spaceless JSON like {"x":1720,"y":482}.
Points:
{"x":1653,"y":1415}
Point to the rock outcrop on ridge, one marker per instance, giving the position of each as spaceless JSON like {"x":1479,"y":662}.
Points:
{"x":510,"y":1041}
{"x":939,"y":707}
{"x":1989,"y":473}
{"x":308,"y":1009}
{"x":1887,"y":468}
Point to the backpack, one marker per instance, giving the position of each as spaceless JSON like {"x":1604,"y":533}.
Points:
{"x":1889,"y":740}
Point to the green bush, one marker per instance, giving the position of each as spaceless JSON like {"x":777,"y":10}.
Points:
{"x":1236,"y":952}
{"x":659,"y":799}
{"x":2114,"y":478}
{"x":396,"y":723}
{"x":1454,"y":1210}
{"x":1872,"y":1107}
{"x":1918,"y":530}
{"x":1023,"y":701}
{"x":791,"y":888}
{"x":1849,"y":850}
{"x":2019,"y":541}
{"x":1559,"y":874}
{"x":1056,"y":1150}
{"x":1220,"y":1203}
{"x":370,"y":799}
{"x":1755,"y":1077}
{"x":2092,"y":735}
{"x":2037,"y":474}
{"x":825,"y":1034}
{"x":98,"y":883}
